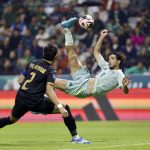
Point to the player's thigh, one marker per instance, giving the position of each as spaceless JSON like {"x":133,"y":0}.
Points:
{"x":80,"y":74}
{"x":19,"y":109}
{"x":61,"y":84}
{"x":45,"y":107}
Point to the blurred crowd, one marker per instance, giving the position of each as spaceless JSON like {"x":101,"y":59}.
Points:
{"x":27,"y":26}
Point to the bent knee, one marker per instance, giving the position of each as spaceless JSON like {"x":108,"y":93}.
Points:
{"x":13,"y":119}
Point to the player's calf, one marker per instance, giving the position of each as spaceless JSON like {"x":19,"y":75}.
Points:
{"x":70,"y":122}
{"x":5,"y":121}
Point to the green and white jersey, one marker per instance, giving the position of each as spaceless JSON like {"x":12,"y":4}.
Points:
{"x":107,"y":79}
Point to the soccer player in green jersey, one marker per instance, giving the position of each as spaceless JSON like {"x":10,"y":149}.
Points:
{"x":82,"y":85}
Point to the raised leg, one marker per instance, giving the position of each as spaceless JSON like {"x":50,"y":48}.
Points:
{"x":75,"y":64}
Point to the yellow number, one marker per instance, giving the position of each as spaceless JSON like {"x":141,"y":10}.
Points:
{"x":28,"y":81}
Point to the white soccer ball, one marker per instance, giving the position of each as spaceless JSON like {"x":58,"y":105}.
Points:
{"x":86,"y":21}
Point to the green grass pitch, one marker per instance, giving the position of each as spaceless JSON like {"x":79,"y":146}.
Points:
{"x":54,"y":136}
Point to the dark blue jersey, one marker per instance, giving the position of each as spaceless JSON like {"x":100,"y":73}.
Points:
{"x":37,"y":74}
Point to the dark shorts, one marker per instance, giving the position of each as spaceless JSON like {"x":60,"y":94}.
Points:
{"x":22,"y":106}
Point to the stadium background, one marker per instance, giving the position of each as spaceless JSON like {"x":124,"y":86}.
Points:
{"x":26,"y":27}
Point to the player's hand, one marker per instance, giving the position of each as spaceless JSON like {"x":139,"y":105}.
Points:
{"x":63,"y":112}
{"x":125,"y":81}
{"x":104,"y":33}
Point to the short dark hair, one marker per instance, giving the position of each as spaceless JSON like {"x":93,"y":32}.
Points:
{"x":119,"y":56}
{"x":49,"y":52}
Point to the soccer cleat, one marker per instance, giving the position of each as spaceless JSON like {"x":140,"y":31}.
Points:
{"x":69,"y":23}
{"x":80,"y":141}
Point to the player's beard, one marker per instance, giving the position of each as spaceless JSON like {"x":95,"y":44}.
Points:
{"x":112,"y":67}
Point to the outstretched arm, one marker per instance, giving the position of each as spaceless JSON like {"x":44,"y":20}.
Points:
{"x":97,"y":49}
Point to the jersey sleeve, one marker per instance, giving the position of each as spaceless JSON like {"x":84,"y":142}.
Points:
{"x":120,"y":78}
{"x":51,"y":77}
{"x":102,"y":63}
{"x":24,"y":72}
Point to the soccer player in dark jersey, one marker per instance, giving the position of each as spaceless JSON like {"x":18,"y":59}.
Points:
{"x":37,"y":79}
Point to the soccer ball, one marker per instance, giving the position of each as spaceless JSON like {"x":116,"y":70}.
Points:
{"x":86,"y":21}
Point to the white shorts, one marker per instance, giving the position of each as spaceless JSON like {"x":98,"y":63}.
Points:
{"x":79,"y":86}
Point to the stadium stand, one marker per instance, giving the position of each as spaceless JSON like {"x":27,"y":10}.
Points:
{"x":26,"y":27}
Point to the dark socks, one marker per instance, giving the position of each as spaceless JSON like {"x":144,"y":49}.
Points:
{"x":70,"y":122}
{"x":4,"y":121}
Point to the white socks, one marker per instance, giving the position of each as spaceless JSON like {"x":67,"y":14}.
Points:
{"x":68,"y":37}
{"x":76,"y":136}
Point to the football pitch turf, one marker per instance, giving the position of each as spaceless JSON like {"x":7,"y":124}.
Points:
{"x":54,"y":136}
